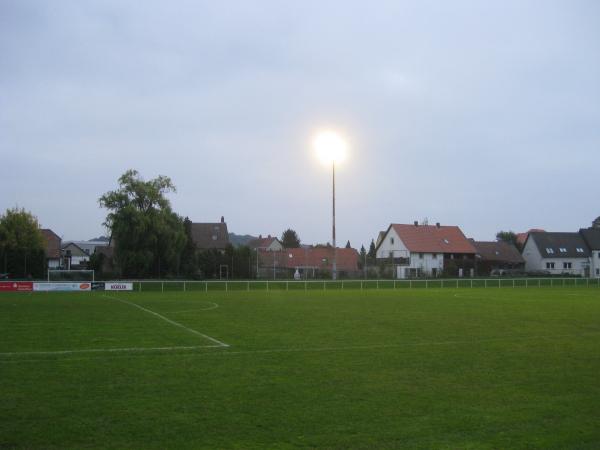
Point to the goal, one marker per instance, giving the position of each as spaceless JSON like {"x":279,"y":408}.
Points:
{"x":71,"y":275}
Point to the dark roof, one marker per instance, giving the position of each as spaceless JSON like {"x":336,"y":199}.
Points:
{"x":210,"y":235}
{"x":550,"y":244}
{"x":592,"y":237}
{"x":522,"y":237}
{"x":498,"y":251}
{"x":433,"y":238}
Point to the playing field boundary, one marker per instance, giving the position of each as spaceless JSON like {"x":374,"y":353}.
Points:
{"x":325,"y":285}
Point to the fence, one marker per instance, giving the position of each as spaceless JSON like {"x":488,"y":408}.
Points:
{"x":226,"y":286}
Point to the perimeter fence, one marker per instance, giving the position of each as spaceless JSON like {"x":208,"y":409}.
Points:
{"x":326,"y":285}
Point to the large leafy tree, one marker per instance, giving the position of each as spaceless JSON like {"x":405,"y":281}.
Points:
{"x":149,"y":236}
{"x":290,"y":239}
{"x":507,"y":236}
{"x":21,"y":243}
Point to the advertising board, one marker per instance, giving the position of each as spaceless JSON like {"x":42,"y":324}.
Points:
{"x":16,"y":286}
{"x":118,"y":286}
{"x":62,"y":287}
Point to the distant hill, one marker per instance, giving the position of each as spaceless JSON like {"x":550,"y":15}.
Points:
{"x":237,"y":240}
{"x":101,"y":238}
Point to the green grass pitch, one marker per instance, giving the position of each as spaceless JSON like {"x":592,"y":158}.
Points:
{"x":453,"y":368}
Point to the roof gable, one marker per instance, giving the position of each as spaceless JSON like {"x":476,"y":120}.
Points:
{"x":210,"y":235}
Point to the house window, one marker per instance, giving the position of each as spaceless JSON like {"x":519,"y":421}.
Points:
{"x":391,"y":255}
{"x":214,"y":237}
{"x":392,"y":240}
{"x":567,"y":265}
{"x":550,"y":251}
{"x":597,"y":271}
{"x":446,"y":241}
{"x":435,"y":256}
{"x":549,"y":265}
{"x":420,"y":255}
{"x":579,"y":250}
{"x":562,"y":250}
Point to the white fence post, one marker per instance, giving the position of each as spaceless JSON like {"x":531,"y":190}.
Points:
{"x":162,"y":286}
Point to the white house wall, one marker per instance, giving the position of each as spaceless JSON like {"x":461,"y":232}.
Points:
{"x":534,"y":262}
{"x":533,"y":258}
{"x":595,"y":264}
{"x":424,"y":261}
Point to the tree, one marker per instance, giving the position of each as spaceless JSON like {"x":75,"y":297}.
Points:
{"x":348,"y":244}
{"x":507,"y":236}
{"x":363,"y":257}
{"x":21,"y":243}
{"x":290,"y":239}
{"x":149,"y":236}
{"x":189,"y":262}
{"x":372,"y":252}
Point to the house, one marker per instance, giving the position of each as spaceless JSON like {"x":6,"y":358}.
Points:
{"x":556,"y":253}
{"x":73,"y":256}
{"x":309,"y":262}
{"x":270,"y":244}
{"x":497,"y":257}
{"x":52,"y":243}
{"x":426,"y":250}
{"x":89,"y":247}
{"x":591,"y":236}
{"x":210,"y":235}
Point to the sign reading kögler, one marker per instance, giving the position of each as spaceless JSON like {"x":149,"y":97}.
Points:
{"x":118,"y":286}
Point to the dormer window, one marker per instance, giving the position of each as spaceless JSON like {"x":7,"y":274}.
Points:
{"x":579,"y":250}
{"x":562,"y":250}
{"x":214,"y":237}
{"x":446,"y":241}
{"x":550,"y":251}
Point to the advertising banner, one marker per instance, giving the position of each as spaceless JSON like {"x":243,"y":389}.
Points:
{"x":98,"y":286}
{"x":118,"y":286}
{"x":16,"y":286}
{"x":62,"y":287}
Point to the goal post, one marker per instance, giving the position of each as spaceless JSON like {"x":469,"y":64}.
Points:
{"x":71,"y":275}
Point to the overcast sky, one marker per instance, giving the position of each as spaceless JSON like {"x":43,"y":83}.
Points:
{"x":480,"y":114}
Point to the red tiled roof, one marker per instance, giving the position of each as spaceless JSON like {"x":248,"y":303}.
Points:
{"x":291,"y":258}
{"x":433,"y":239}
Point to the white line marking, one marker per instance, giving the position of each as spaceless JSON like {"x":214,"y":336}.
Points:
{"x":111,"y":350}
{"x":172,"y":322}
{"x":213,"y":306}
{"x":321,"y":349}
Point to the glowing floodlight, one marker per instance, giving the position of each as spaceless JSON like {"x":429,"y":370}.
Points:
{"x":330,"y":147}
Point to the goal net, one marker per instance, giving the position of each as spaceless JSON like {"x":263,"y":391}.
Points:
{"x":71,"y":275}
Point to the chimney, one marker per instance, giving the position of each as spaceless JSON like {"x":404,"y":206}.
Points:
{"x":269,"y":236}
{"x":437,"y":224}
{"x":416,"y":223}
{"x":260,"y":236}
{"x":222,"y":219}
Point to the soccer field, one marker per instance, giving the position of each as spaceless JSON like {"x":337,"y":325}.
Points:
{"x":452,"y":368}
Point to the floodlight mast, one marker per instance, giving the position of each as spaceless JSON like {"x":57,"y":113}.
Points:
{"x":334,"y":268}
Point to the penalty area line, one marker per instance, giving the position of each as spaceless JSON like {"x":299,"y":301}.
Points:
{"x":166,"y":319}
{"x":110,"y":350}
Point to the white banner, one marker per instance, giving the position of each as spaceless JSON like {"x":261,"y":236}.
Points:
{"x":118,"y":286}
{"x":62,"y":287}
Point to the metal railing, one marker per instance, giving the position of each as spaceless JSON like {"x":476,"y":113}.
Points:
{"x":327,"y":285}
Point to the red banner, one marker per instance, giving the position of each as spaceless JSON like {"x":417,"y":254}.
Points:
{"x":14,"y":286}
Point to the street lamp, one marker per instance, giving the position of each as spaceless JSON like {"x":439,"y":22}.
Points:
{"x":331,"y":148}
